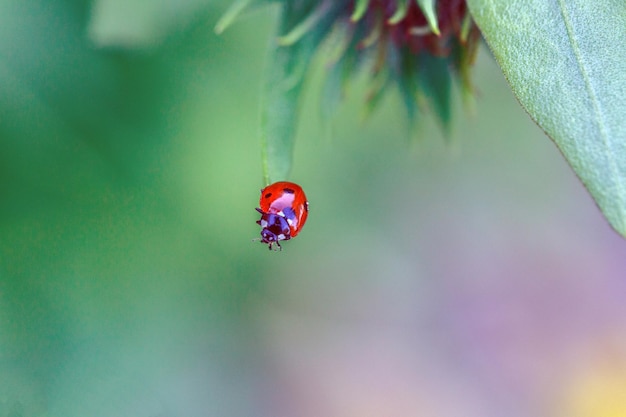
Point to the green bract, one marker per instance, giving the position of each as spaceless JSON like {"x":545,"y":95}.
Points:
{"x":566,"y":63}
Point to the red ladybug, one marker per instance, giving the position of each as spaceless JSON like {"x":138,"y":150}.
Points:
{"x":284,"y":210}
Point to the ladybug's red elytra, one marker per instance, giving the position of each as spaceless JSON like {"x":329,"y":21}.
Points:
{"x":284,"y":209}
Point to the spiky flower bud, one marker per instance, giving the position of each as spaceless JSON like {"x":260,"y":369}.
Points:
{"x":420,"y":46}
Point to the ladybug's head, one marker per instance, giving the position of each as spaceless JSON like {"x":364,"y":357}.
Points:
{"x":274,"y":228}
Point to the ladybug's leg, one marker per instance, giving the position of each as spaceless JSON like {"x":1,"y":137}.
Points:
{"x":270,"y":246}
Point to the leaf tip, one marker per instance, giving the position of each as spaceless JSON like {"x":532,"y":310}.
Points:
{"x":230,"y":16}
{"x":360,"y":8}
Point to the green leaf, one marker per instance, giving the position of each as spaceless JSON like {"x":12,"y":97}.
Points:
{"x":279,"y":110}
{"x":376,"y":92}
{"x":359,"y":10}
{"x":402,"y":7}
{"x":436,"y":81}
{"x":283,"y":87}
{"x":565,"y":62}
{"x":306,"y":25}
{"x":405,"y":78}
{"x":428,"y":8}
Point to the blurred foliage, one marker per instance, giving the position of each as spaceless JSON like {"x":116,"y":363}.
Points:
{"x":97,"y":253}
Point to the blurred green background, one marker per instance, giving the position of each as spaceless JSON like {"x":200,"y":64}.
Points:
{"x":471,"y":278}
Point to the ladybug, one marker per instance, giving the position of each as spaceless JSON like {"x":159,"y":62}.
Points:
{"x":284,"y":209}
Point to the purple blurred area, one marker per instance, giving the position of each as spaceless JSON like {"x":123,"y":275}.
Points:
{"x":482,"y":320}
{"x":472,"y":279}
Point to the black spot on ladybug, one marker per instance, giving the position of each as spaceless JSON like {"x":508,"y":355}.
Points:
{"x":268,"y":195}
{"x":289,"y":190}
